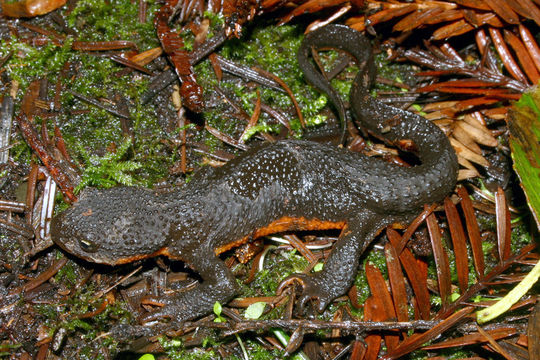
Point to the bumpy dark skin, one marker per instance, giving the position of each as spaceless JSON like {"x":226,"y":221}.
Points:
{"x":288,"y":185}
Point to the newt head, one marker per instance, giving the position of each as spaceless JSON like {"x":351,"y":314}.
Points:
{"x":111,"y":226}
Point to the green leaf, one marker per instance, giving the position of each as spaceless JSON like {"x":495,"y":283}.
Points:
{"x":255,"y":310}
{"x":260,"y":127}
{"x":524,"y":126}
{"x":501,"y":306}
{"x":217,"y":308}
{"x":217,"y":311}
{"x":147,"y":357}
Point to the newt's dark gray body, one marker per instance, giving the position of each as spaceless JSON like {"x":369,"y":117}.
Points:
{"x":287,"y":185}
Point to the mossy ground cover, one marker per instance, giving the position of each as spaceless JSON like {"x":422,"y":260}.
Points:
{"x":107,"y":157}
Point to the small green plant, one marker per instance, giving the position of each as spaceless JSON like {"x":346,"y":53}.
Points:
{"x":108,"y":170}
{"x":219,"y":318}
{"x":255,"y":310}
{"x":217,"y":312}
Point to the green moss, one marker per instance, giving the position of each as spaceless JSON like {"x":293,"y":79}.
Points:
{"x":175,"y":350}
{"x":29,"y":63}
{"x":189,"y":39}
{"x":257,"y":352}
{"x":68,"y":273}
{"x":376,"y":259}
{"x":457,"y":353}
{"x":145,"y":160}
{"x":95,"y":20}
{"x":418,"y":355}
{"x":111,"y":20}
{"x":273,"y":49}
{"x":396,"y":72}
{"x":90,"y":133}
{"x":82,"y":302}
{"x":521,"y":237}
{"x":267,"y":280}
{"x":108,"y":170}
{"x":260,"y":127}
{"x":216,"y":20}
{"x":268,"y":47}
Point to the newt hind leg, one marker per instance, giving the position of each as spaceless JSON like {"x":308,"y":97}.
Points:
{"x":340,"y":268}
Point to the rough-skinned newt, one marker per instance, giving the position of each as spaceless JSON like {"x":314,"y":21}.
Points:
{"x":287,"y":185}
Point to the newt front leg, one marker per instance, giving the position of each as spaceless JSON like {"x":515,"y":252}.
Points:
{"x":218,"y":284}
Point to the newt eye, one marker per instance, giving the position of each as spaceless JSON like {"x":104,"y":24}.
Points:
{"x":88,"y":246}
